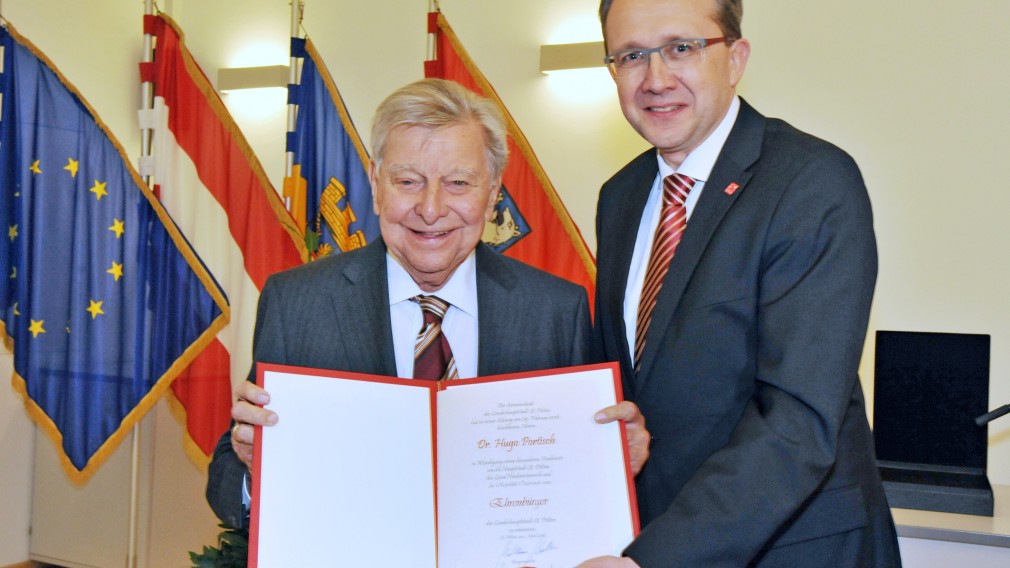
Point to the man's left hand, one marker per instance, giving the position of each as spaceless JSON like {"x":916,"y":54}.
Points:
{"x":634,"y":425}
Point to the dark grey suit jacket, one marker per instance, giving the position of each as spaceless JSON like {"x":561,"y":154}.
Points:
{"x":762,"y":453}
{"x":334,"y":314}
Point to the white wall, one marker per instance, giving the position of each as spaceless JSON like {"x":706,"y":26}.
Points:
{"x":913,"y":89}
{"x":16,"y":446}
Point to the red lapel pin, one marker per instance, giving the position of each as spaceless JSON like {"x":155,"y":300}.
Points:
{"x":731,"y":188}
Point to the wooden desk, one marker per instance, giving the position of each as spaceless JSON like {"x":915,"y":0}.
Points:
{"x":952,"y":527}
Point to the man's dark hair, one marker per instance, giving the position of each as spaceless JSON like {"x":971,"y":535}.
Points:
{"x":729,"y":14}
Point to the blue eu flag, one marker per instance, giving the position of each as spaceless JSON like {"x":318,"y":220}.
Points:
{"x":102,"y":300}
{"x":329,"y":170}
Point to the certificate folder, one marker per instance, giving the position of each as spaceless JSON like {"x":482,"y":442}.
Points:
{"x":504,"y":471}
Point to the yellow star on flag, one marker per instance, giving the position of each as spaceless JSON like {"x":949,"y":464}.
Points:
{"x":14,"y":272}
{"x":99,"y":189}
{"x":116,"y":271}
{"x":12,"y":232}
{"x":16,"y":312}
{"x":117,"y":227}
{"x":35,"y":167}
{"x":71,"y":167}
{"x":36,"y":328}
{"x":95,"y":308}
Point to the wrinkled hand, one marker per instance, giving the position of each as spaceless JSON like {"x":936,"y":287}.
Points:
{"x":634,"y":425}
{"x":609,"y":562}
{"x":247,"y":415}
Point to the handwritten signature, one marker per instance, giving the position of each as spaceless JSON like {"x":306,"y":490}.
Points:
{"x":513,"y":552}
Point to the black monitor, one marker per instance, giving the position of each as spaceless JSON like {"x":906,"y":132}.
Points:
{"x":928,"y":390}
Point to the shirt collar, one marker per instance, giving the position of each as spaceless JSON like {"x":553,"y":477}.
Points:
{"x":460,"y":290}
{"x":699,"y":163}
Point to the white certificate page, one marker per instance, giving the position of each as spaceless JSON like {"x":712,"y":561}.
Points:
{"x":345,"y":477}
{"x":526,"y":478}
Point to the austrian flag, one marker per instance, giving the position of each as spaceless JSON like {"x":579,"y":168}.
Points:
{"x":209,"y":180}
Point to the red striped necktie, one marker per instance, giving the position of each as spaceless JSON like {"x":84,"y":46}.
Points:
{"x":432,"y":356}
{"x":676,"y":187}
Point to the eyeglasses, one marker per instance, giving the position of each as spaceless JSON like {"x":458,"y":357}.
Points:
{"x":676,"y":55}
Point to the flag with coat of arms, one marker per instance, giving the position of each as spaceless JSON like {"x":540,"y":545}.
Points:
{"x":530,"y":222}
{"x":331,"y":197}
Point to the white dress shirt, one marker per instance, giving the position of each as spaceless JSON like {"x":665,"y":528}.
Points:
{"x":459,"y":324}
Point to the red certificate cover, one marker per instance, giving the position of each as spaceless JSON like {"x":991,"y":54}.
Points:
{"x":364,"y":470}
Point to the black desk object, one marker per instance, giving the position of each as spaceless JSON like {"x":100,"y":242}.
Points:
{"x":928,"y":390}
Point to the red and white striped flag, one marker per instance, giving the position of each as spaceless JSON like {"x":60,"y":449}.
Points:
{"x":214,"y":187}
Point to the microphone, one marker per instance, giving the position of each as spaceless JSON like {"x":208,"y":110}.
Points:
{"x":990,"y":416}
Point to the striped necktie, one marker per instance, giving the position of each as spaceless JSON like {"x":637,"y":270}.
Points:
{"x":433,"y":358}
{"x":676,"y":187}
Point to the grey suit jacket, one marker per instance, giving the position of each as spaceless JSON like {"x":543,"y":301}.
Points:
{"x":762,"y":453}
{"x":334,"y":314}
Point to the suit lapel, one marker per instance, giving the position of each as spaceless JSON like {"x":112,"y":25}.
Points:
{"x":495,"y":312}
{"x":364,"y":324}
{"x":627,"y":214}
{"x":741,"y":150}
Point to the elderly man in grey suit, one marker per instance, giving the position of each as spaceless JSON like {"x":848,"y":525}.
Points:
{"x":736,"y":267}
{"x":438,"y":155}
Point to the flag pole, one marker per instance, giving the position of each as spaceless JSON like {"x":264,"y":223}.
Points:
{"x":297,"y":9}
{"x":145,"y":152}
{"x":432,"y":7}
{"x":147,"y":99}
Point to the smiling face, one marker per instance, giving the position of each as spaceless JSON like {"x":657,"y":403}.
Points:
{"x":433,"y":193}
{"x":674,"y":110}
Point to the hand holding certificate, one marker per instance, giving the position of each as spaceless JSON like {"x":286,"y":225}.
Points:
{"x":488,"y":472}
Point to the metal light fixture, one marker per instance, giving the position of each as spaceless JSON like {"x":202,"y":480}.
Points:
{"x":560,"y":57}
{"x":253,"y":77}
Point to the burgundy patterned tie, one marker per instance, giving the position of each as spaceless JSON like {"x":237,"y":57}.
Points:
{"x":671,"y":225}
{"x":432,"y":356}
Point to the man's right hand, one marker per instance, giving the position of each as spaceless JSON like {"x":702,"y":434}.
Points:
{"x":247,"y":415}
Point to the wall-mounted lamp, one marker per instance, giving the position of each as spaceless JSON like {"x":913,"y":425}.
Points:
{"x":564,"y":56}
{"x":253,"y":77}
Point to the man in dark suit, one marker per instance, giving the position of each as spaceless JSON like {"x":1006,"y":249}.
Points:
{"x":742,"y":351}
{"x":438,"y":155}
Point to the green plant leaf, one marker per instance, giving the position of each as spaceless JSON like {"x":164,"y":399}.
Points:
{"x":232,"y":551}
